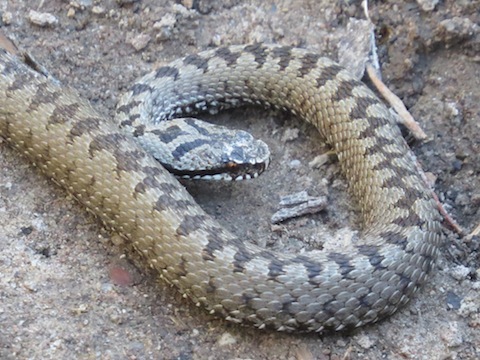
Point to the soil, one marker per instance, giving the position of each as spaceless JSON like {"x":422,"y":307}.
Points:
{"x":71,"y":289}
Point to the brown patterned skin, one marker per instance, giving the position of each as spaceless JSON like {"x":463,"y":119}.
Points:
{"x":108,"y":172}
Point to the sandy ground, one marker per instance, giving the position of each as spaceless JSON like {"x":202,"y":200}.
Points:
{"x":69,"y":289}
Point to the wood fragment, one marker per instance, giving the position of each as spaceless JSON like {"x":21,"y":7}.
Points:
{"x":298,"y":204}
{"x":475,"y":232}
{"x":404,"y":116}
{"x":7,"y":44}
{"x":452,"y":224}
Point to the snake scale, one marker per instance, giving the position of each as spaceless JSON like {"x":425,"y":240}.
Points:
{"x":108,"y":172}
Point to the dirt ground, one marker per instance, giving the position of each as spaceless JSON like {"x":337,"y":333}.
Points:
{"x":70,"y":289}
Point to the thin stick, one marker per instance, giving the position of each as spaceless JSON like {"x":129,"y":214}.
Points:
{"x":405,"y":117}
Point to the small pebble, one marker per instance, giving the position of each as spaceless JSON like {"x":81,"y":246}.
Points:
{"x":116,"y":318}
{"x":98,"y":10}
{"x":365,"y":341}
{"x":452,"y":335}
{"x":341,"y":343}
{"x":453,"y":300}
{"x":165,"y":27}
{"x":295,"y":164}
{"x":187,"y":3}
{"x":42,"y":19}
{"x":427,"y":5}
{"x":7,"y":18}
{"x":290,"y":134}
{"x":470,"y":306}
{"x":56,"y":344}
{"x":30,"y":286}
{"x":475,"y":200}
{"x":106,"y":287}
{"x":226,"y":339}
{"x":461,"y":155}
{"x":139,"y":42}
{"x":120,"y":276}
{"x":168,"y":20}
{"x":319,"y":161}
{"x":136,"y":346}
{"x":462,"y":200}
{"x":456,"y":29}
{"x":26,"y":230}
{"x":460,"y":272}
{"x":451,"y":109}
{"x":456,"y":165}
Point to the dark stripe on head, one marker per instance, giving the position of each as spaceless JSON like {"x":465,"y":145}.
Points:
{"x":168,"y":135}
{"x":184,"y":148}
{"x":194,"y":124}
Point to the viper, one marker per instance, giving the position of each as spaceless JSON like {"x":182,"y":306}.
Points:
{"x":103,"y":163}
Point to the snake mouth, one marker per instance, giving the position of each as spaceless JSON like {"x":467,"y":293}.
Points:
{"x":228,"y":172}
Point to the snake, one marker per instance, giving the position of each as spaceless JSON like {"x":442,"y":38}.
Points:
{"x":100,"y":162}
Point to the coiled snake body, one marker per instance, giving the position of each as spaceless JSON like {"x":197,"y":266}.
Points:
{"x":108,"y":171}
